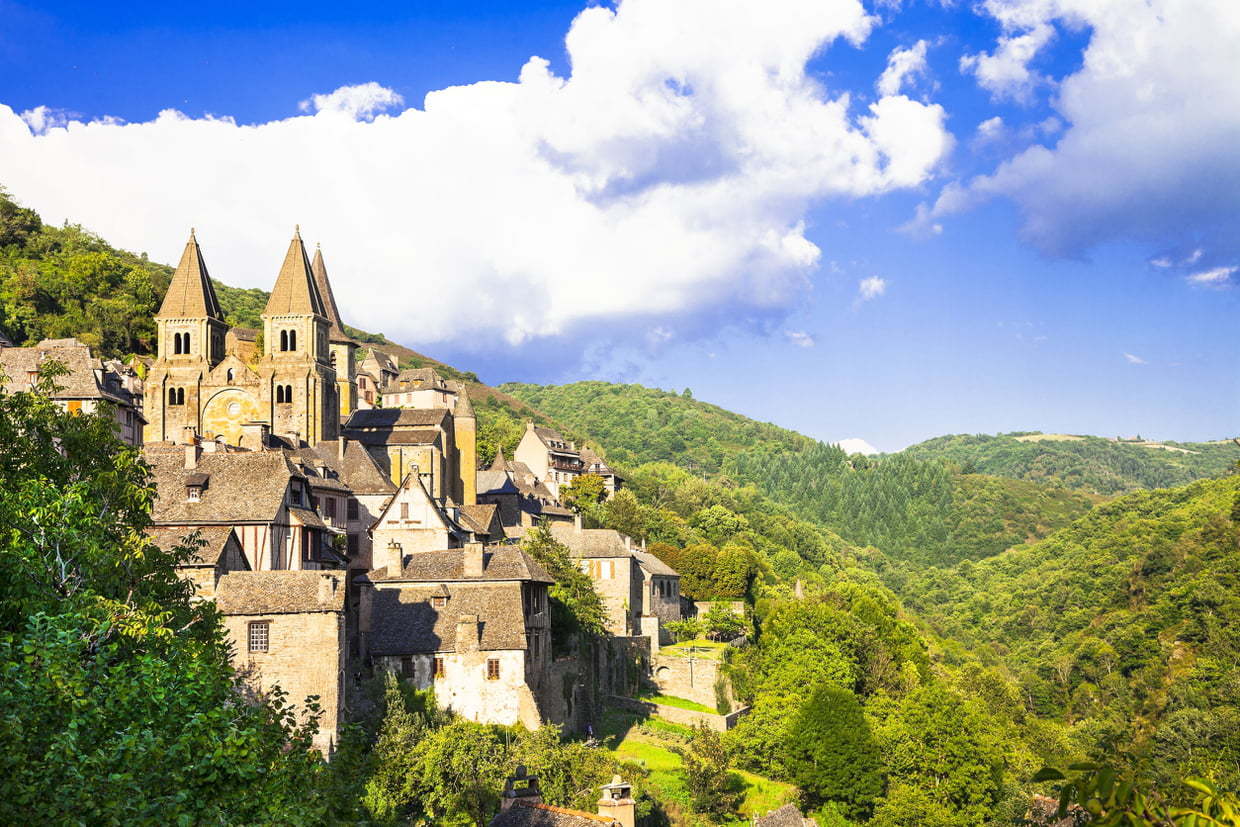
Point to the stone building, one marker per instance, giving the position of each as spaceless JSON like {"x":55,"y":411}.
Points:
{"x":436,"y":442}
{"x":217,"y":551}
{"x":522,"y":500}
{"x":89,"y":385}
{"x":415,"y":521}
{"x":291,"y":629}
{"x":555,"y":461}
{"x":472,"y":623}
{"x":375,"y":371}
{"x":195,"y":382}
{"x":261,"y":495}
{"x":341,"y":348}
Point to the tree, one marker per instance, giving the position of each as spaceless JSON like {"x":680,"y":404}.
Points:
{"x":460,"y":772}
{"x":119,"y":702}
{"x":712,"y":788}
{"x":1099,"y":795}
{"x":584,"y":492}
{"x":721,"y":623}
{"x":832,"y":755}
{"x":575,"y":606}
{"x":569,"y":772}
{"x":390,"y":790}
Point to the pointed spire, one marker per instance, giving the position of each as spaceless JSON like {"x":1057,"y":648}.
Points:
{"x":295,"y":292}
{"x":190,"y":294}
{"x":499,"y":464}
{"x":335,"y":330}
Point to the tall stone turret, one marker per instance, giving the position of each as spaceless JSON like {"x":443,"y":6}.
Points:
{"x":341,"y":347}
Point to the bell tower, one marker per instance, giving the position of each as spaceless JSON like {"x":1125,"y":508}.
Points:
{"x":342,"y":349}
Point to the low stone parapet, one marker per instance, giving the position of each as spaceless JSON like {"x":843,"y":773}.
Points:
{"x":677,"y":715}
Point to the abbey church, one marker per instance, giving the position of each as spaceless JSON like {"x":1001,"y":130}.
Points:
{"x":301,"y":384}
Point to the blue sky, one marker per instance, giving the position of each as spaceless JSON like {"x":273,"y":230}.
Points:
{"x":1036,"y":241}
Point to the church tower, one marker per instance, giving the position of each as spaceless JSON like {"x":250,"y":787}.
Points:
{"x":296,"y":356}
{"x":342,"y":348}
{"x":191,"y":342}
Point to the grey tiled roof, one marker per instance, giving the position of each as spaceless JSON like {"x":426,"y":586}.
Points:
{"x":279,"y":592}
{"x":498,"y":563}
{"x":653,"y":564}
{"x":495,"y":482}
{"x":241,"y":487}
{"x":335,"y":327}
{"x":214,"y":536}
{"x":405,"y":623}
{"x":81,"y":382}
{"x":358,"y":469}
{"x":590,"y":542}
{"x":386,"y":418}
{"x":786,"y":816}
{"x":526,"y":814}
{"x":479,"y":518}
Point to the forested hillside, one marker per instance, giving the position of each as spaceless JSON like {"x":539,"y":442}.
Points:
{"x":1086,"y":463}
{"x":1124,"y":626}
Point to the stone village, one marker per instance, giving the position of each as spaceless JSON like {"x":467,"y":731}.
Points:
{"x":344,"y":525}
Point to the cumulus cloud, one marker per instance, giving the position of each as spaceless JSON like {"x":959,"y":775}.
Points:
{"x":42,"y":118}
{"x":799,"y":338}
{"x":856,"y":445}
{"x":1134,"y":359}
{"x":902,"y":64}
{"x":1214,"y":277}
{"x":1151,"y":119}
{"x":666,"y":177}
{"x":871,"y":288}
{"x":1005,"y":72}
{"x":360,"y":102}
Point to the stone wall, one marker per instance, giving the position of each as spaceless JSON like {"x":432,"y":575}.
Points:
{"x":676,"y":715}
{"x":689,"y":678}
{"x":465,"y":689}
{"x":306,"y":655}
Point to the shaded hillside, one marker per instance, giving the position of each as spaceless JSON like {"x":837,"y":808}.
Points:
{"x":1087,"y":463}
{"x":1126,"y":625}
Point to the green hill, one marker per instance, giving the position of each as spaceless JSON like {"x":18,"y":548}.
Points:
{"x":1125,"y":625}
{"x":1086,"y":463}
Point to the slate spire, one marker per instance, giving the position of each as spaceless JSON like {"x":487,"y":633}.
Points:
{"x":190,"y":294}
{"x":295,"y":293}
{"x":335,"y":327}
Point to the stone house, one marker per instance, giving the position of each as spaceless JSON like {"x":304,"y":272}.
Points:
{"x":555,"y":461}
{"x":521,"y":498}
{"x":416,"y":522}
{"x":291,"y":629}
{"x":196,"y":382}
{"x":375,"y":371}
{"x":217,"y":553}
{"x":90,"y":384}
{"x":262,"y":495}
{"x":402,"y":440}
{"x":474,"y":623}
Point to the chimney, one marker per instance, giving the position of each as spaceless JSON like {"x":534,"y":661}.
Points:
{"x":391,"y":558}
{"x":192,"y":452}
{"x":473,"y":560}
{"x":520,"y":787}
{"x":467,"y":634}
{"x":327,"y":588}
{"x":254,"y":435}
{"x":577,"y":521}
{"x":617,"y":802}
{"x":341,"y":444}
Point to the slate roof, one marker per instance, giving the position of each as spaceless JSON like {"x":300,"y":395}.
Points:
{"x":247,"y":486}
{"x":498,"y":563}
{"x":418,"y":379}
{"x":358,"y":470}
{"x":464,"y":408}
{"x":552,"y":438}
{"x":590,"y":542}
{"x":190,"y":294}
{"x":529,"y":814}
{"x":400,"y":436}
{"x":81,"y":382}
{"x":479,"y":517}
{"x":295,"y":292}
{"x":495,"y":482}
{"x":405,"y":622}
{"x":335,"y":327}
{"x":499,"y":463}
{"x":385,"y":362}
{"x":788,"y":815}
{"x":386,"y":418}
{"x":215,"y":537}
{"x":653,"y":564}
{"x":278,"y":592}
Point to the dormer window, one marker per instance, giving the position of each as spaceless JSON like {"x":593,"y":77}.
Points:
{"x":195,"y":484}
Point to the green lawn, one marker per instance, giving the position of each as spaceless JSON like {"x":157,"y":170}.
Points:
{"x":680,"y":703}
{"x":698,"y":648}
{"x":657,"y":756}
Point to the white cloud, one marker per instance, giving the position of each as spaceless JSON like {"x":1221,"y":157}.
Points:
{"x":1005,"y":73}
{"x":902,"y":64}
{"x":799,"y":338}
{"x":42,"y":118}
{"x":871,"y":288}
{"x":667,"y":175}
{"x":1214,"y":277}
{"x":1133,"y":359}
{"x":1152,"y":114}
{"x":991,"y":129}
{"x":360,"y":102}
{"x":856,"y":445}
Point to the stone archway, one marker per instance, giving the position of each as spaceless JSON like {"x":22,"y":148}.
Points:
{"x":225,"y":412}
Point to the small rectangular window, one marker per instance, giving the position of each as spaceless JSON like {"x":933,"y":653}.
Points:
{"x":404,"y":511}
{"x":406,"y":666}
{"x":438,"y":602}
{"x":353,"y":545}
{"x":329,"y":508}
{"x":439,"y":671}
{"x":492,"y":669}
{"x":260,"y":636}
{"x":351,"y":509}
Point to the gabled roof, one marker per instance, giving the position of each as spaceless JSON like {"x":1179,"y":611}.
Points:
{"x":246,"y":486}
{"x":279,"y":592}
{"x":385,"y":362}
{"x":419,"y":378}
{"x":590,"y":542}
{"x":215,"y":540}
{"x":499,"y":463}
{"x":358,"y":469}
{"x":406,"y":623}
{"x":81,"y":382}
{"x":335,"y":327}
{"x":463,"y":408}
{"x":496,"y":482}
{"x":412,"y":488}
{"x":553,"y":439}
{"x":369,"y":419}
{"x":295,"y":293}
{"x":653,"y":565}
{"x":190,"y":294}
{"x":482,"y":519}
{"x":498,"y":563}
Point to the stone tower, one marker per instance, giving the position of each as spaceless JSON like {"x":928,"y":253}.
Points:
{"x":296,"y":363}
{"x":465,"y":427}
{"x":342,"y":348}
{"x":191,"y":343}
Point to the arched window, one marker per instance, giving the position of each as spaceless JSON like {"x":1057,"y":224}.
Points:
{"x":176,"y":396}
{"x":284,"y":394}
{"x":172,"y":392}
{"x":283,"y":340}
{"x":176,"y":343}
{"x":180,"y":396}
{"x":232,"y":374}
{"x":292,"y":340}
{"x":185,"y":343}
{"x":279,"y":394}
{"x":288,"y":393}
